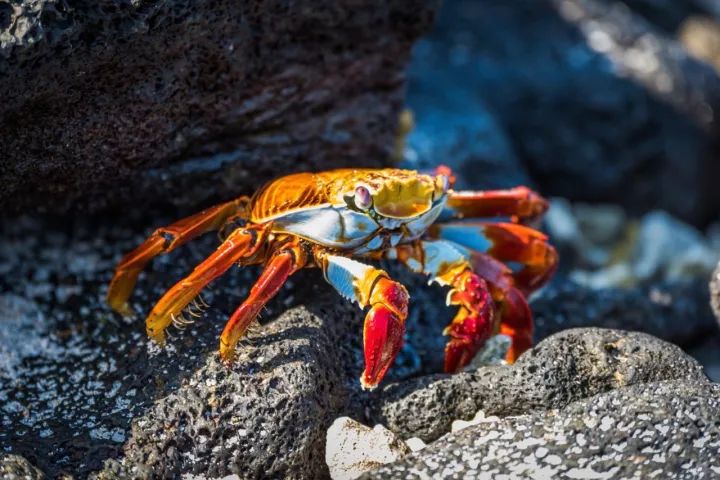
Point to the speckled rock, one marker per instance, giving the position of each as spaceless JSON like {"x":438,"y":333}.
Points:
{"x":82,"y":390}
{"x":179,"y":102}
{"x":666,"y":429}
{"x":566,"y":367}
{"x":15,"y":467}
{"x":265,"y":417}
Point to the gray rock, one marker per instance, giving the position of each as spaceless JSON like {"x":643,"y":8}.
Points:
{"x":668,"y":429}
{"x":82,"y":390}
{"x":715,"y":292}
{"x":675,"y":311}
{"x":566,"y":367}
{"x":265,"y":417}
{"x":630,"y":134}
{"x":15,"y":467}
{"x":669,"y":249}
{"x":127,"y":103}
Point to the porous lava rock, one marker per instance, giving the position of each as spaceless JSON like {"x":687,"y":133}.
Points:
{"x":109,"y":104}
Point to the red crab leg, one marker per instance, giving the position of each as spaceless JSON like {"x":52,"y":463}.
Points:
{"x":164,"y":240}
{"x":512,"y":308}
{"x":521,"y":204}
{"x":507,"y":242}
{"x":284,"y":262}
{"x":448,"y":264}
{"x":242,"y":243}
{"x":384,"y":326}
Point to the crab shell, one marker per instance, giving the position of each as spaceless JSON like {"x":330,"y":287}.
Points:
{"x":324,"y":208}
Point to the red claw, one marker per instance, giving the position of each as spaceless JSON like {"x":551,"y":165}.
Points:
{"x":384,"y":330}
{"x":474,"y":322}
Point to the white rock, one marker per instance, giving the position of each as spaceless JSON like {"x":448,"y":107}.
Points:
{"x":479,"y":418}
{"x":353,"y":449}
{"x":415,"y":444}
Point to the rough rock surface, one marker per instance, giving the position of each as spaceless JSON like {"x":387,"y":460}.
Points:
{"x":665,"y":429}
{"x":566,"y":367}
{"x":15,"y":467}
{"x":178,"y":102}
{"x":79,"y":386}
{"x":352,"y":448}
{"x":635,"y":131}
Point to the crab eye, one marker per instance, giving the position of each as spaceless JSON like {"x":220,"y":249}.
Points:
{"x":442,"y":185}
{"x":363,"y":199}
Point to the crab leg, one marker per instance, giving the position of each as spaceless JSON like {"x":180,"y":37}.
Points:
{"x":287,"y":260}
{"x":521,"y":204}
{"x":507,"y":242}
{"x":512,"y":308}
{"x":449,"y":265}
{"x":164,"y":240}
{"x":384,"y":326}
{"x":242,"y":244}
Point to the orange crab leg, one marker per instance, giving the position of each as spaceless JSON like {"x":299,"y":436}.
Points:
{"x":284,"y":262}
{"x":384,"y":326}
{"x":242,"y":244}
{"x":521,"y":204}
{"x":448,"y":264}
{"x":164,"y":240}
{"x":507,"y":242}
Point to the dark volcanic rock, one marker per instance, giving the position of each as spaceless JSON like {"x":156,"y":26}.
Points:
{"x":666,"y":429}
{"x":80,"y":387}
{"x":675,"y":311}
{"x":265,"y":417}
{"x":566,"y":367}
{"x":595,"y":103}
{"x":182,"y":102}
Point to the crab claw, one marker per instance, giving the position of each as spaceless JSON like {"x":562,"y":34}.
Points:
{"x":474,"y":322}
{"x":384,"y":330}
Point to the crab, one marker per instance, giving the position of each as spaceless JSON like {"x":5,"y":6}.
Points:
{"x":338,"y":221}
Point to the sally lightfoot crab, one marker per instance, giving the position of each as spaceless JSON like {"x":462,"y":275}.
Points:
{"x":337,"y":219}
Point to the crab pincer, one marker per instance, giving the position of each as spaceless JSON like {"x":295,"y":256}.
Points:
{"x":384,"y":329}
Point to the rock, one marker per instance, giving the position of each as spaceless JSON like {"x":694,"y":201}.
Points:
{"x":265,"y":417}
{"x":571,"y":365}
{"x":637,"y":130}
{"x":667,"y":429}
{"x":15,"y":467}
{"x":715,"y":292}
{"x":83,"y":391}
{"x":669,"y":249}
{"x":353,"y":449}
{"x":183,"y":103}
{"x":674,"y":311}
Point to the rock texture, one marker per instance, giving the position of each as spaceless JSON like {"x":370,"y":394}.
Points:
{"x":665,"y":429}
{"x":637,"y":129}
{"x":352,"y":448}
{"x":179,"y":102}
{"x":566,"y":367}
